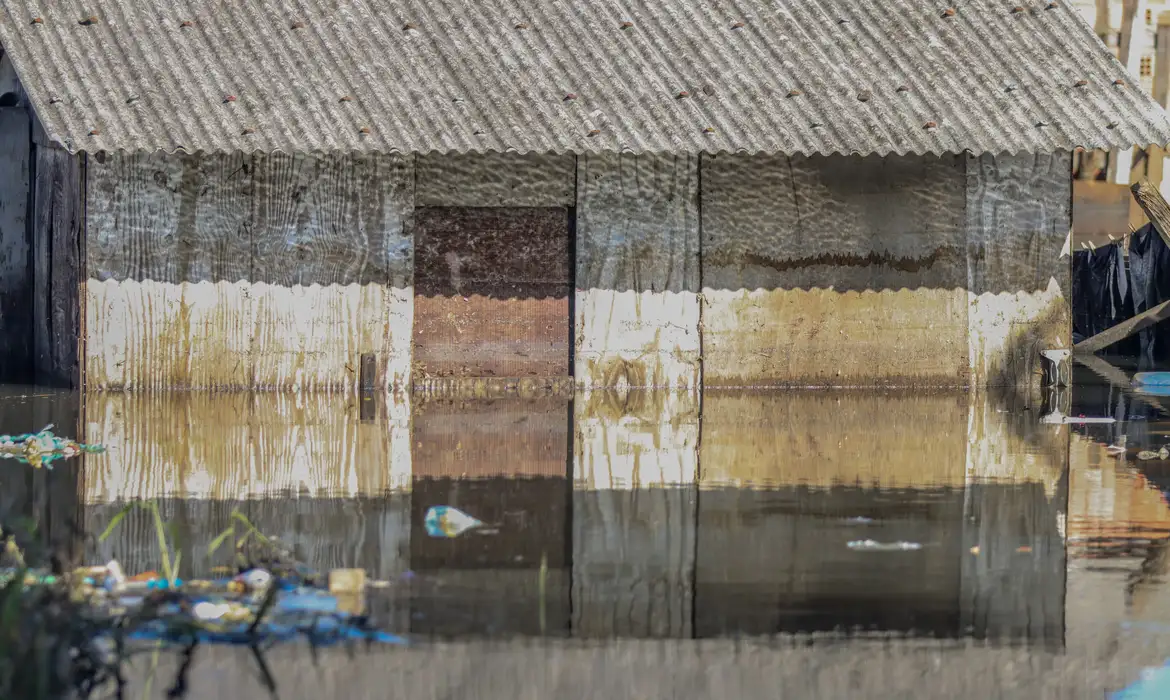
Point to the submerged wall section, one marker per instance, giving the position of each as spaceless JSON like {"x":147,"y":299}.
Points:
{"x":277,"y":271}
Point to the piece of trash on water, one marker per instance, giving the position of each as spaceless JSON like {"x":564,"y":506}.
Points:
{"x":1152,"y":683}
{"x":1117,"y":449}
{"x":1163,"y":453}
{"x":445,"y":521}
{"x":42,"y":448}
{"x":859,"y":520}
{"x":1082,"y":420}
{"x":1024,"y":549}
{"x":872,"y":546}
{"x":975,"y":550}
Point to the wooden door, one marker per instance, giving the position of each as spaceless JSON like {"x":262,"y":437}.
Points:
{"x":492,"y":289}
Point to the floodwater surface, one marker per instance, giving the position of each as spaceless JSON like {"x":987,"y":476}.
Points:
{"x":641,"y":544}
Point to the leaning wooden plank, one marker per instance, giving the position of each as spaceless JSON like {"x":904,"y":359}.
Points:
{"x":1154,"y":205}
{"x":1124,"y":329}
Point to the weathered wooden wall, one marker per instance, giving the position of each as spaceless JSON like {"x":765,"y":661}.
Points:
{"x":882,"y":271}
{"x":637,"y":316}
{"x":235,"y":271}
{"x":16,"y":274}
{"x":57,"y":230}
{"x":281,"y":271}
{"x":833,"y":271}
{"x":1018,"y":216}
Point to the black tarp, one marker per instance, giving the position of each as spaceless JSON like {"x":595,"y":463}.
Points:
{"x":1149,"y":275}
{"x":1102,"y":296}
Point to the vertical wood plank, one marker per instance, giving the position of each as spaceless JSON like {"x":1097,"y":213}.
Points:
{"x":16,"y":274}
{"x":59,"y":265}
{"x":1018,"y":217}
{"x":637,"y":308}
{"x":333,"y":250}
{"x":839,"y":271}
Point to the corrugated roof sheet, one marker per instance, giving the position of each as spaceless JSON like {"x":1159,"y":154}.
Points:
{"x":792,"y":76}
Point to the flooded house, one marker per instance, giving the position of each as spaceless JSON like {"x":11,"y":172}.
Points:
{"x":327,"y":197}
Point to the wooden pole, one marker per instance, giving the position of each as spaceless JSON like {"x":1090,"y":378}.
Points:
{"x":1124,"y":329}
{"x":1154,"y":205}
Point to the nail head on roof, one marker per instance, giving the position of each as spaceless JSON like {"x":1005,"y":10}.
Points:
{"x":522,"y":25}
{"x":903,"y":88}
{"x":864,"y":95}
{"x":298,"y":24}
{"x":1112,"y":125}
{"x":682,"y":94}
{"x":88,"y":21}
{"x":1081,"y":83}
{"x":186,"y":23}
{"x":408,"y":26}
{"x":842,"y":21}
{"x":795,"y":92}
{"x":247,"y":131}
{"x":38,"y":20}
{"x":132,"y":98}
{"x":1052,"y":5}
{"x":594,"y":132}
{"x":1018,"y":9}
{"x":364,"y":130}
{"x":53,"y":99}
{"x":345,"y":98}
{"x":709,"y":130}
{"x":570,"y":96}
{"x":737,"y":25}
{"x":229,"y":98}
{"x":95,"y":132}
{"x":949,"y":12}
{"x":627,"y":25}
{"x":930,"y":125}
{"x":1041,"y":123}
{"x":1119,"y":82}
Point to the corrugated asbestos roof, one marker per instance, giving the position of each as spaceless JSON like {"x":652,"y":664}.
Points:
{"x":792,"y":76}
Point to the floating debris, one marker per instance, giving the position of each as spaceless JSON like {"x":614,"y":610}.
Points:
{"x":859,"y":520}
{"x":872,"y":546}
{"x":42,"y":448}
{"x":445,"y":521}
{"x":1163,"y":453}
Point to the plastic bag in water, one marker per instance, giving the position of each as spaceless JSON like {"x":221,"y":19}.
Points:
{"x":445,"y":521}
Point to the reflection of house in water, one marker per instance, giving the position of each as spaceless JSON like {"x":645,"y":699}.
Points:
{"x":671,"y":526}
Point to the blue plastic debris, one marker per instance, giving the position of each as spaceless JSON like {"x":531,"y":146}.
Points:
{"x":1154,"y":684}
{"x":445,"y":521}
{"x":1153,"y":383}
{"x":42,"y":448}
